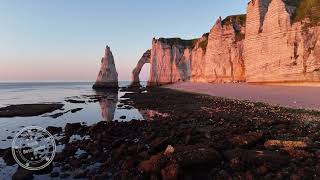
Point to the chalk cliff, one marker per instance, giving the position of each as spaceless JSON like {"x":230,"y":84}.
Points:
{"x":108,"y":76}
{"x":215,"y":57}
{"x":170,"y":60}
{"x":198,"y":59}
{"x":223,"y":59}
{"x":279,"y":49}
{"x":276,"y":41}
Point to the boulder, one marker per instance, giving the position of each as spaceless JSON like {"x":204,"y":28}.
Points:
{"x":271,"y":144}
{"x":170,"y":172}
{"x":195,"y":156}
{"x":22,"y":174}
{"x":243,"y":158}
{"x":54,"y":130}
{"x":247,"y":139}
{"x":151,"y":165}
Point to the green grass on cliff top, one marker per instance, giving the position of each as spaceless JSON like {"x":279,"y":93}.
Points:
{"x":235,"y":19}
{"x":305,"y":9}
{"x":178,"y":41}
{"x":185,"y":43}
{"x":230,"y":20}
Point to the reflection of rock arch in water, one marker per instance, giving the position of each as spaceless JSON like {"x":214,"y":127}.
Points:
{"x":108,"y":104}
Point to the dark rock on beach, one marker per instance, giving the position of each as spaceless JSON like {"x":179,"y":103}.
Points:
{"x":22,"y":174}
{"x":74,"y":129}
{"x":26,"y":110}
{"x":59,"y":114}
{"x":8,"y":157}
{"x":210,"y":138}
{"x":76,"y":110}
{"x":54,"y":174}
{"x":75,"y":101}
{"x":54,"y":130}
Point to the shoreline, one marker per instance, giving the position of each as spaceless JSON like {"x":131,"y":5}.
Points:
{"x":191,"y":136}
{"x":286,"y":96}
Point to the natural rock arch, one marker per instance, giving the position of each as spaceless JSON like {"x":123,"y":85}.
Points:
{"x":136,"y":71}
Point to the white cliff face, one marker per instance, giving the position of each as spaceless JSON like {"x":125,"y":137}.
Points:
{"x":281,"y":51}
{"x":258,"y":10}
{"x":263,"y":46}
{"x":108,"y":76}
{"x":215,"y":57}
{"x":223,"y":59}
{"x":198,"y":59}
{"x":170,"y":61}
{"x":135,"y":73}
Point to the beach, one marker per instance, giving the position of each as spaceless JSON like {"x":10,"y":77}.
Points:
{"x":188,"y":136}
{"x":298,"y":97}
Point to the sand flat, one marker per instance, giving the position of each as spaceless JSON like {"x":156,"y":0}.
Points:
{"x":288,"y":96}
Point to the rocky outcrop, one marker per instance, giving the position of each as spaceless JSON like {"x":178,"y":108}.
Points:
{"x":108,"y":76}
{"x":223,"y":59}
{"x":215,"y":57}
{"x":136,"y":71}
{"x":170,"y":61}
{"x":278,"y":49}
{"x":198,"y":59}
{"x":277,"y":41}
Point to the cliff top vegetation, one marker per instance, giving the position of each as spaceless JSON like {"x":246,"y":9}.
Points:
{"x":185,"y":43}
{"x":178,"y":41}
{"x":305,"y":9}
{"x":235,"y":19}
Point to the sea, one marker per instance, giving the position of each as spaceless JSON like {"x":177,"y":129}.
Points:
{"x":51,"y":92}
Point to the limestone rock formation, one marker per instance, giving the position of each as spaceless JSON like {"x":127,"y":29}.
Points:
{"x":198,"y":59}
{"x":170,"y":61}
{"x":277,"y":41}
{"x":215,"y":57}
{"x":108,"y":76}
{"x":223,"y":59}
{"x":279,"y":49}
{"x":135,"y":73}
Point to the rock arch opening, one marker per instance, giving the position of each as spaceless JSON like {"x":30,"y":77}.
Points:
{"x":145,"y":59}
{"x":145,"y":74}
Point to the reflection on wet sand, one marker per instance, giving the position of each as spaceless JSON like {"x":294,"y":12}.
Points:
{"x":108,"y":104}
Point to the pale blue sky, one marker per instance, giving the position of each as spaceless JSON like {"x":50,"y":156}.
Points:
{"x":64,"y":40}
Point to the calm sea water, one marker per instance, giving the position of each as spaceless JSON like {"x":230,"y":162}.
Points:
{"x":23,"y":93}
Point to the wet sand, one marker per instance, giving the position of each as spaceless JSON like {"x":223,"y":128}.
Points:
{"x":288,"y":96}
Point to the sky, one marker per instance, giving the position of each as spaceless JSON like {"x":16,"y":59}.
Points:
{"x":64,"y":40}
